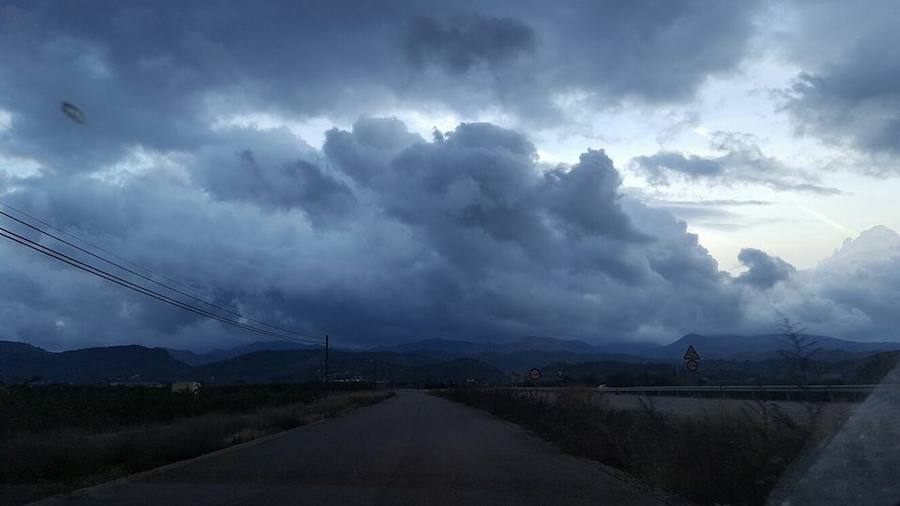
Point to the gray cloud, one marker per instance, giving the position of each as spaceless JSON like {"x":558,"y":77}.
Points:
{"x":852,"y":293}
{"x":464,"y":42}
{"x":154,"y":75}
{"x":711,"y":213}
{"x":271,"y":168}
{"x":462,"y":236}
{"x":763,"y":270}
{"x":847,"y":93}
{"x":381,"y":235}
{"x":741,"y":162}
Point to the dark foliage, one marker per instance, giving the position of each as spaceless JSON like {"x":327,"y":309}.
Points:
{"x":726,"y":459}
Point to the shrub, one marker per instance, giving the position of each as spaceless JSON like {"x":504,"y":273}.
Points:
{"x":725,"y":459}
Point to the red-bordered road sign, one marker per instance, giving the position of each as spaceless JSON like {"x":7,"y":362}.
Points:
{"x":692,"y":365}
{"x":534,"y":374}
{"x":691,"y":353}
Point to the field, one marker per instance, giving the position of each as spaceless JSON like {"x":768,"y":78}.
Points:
{"x":725,"y":458}
{"x":57,"y":438}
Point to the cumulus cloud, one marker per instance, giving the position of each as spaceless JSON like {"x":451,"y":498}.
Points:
{"x":464,"y":235}
{"x":763,"y":270}
{"x":271,"y":168}
{"x":741,"y":162}
{"x":380,"y":235}
{"x":853,"y":293}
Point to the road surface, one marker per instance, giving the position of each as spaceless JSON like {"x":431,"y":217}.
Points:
{"x":412,"y":449}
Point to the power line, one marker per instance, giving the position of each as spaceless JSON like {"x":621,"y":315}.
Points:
{"x":8,"y":234}
{"x":85,"y":241}
{"x":130,"y":271}
{"x":138,"y":288}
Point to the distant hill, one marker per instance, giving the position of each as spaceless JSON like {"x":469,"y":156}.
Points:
{"x":522,"y":354}
{"x":527,"y":343}
{"x":192,"y":358}
{"x":270,"y":366}
{"x":21,"y":362}
{"x":763,"y":347}
{"x":433,"y":360}
{"x":24,"y":363}
{"x":439,"y":345}
{"x":531,"y":351}
{"x":264,"y":367}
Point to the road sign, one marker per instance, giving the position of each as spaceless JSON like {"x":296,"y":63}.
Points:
{"x":691,"y":353}
{"x":692,"y":365}
{"x":534,"y":374}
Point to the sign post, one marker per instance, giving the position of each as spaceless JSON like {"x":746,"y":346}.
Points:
{"x":534,"y":374}
{"x":691,"y":359}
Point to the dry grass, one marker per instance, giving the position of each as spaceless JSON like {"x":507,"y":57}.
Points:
{"x":730,"y":458}
{"x":37,"y":465}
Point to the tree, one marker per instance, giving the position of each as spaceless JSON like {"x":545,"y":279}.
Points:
{"x":801,"y":349}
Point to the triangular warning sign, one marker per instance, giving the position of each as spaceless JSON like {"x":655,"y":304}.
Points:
{"x":691,"y":353}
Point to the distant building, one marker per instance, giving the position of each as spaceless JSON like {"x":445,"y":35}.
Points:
{"x":148,"y":384}
{"x":186,"y":387}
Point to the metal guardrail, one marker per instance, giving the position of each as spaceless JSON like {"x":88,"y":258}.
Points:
{"x":760,"y":388}
{"x":721,"y":388}
{"x":770,"y":392}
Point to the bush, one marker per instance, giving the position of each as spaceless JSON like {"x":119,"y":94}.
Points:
{"x":53,"y":461}
{"x":35,"y":409}
{"x":724,"y":459}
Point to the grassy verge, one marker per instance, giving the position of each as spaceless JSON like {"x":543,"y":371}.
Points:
{"x":731,"y":458}
{"x":35,"y":465}
{"x":35,"y":409}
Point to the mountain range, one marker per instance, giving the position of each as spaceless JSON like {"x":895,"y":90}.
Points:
{"x":426,"y":361}
{"x":723,"y":347}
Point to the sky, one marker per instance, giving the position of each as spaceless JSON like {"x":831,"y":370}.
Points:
{"x":399,"y":170}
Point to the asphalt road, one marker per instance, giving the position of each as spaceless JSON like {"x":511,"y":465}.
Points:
{"x":413,"y":449}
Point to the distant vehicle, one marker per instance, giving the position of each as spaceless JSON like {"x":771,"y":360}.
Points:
{"x":186,"y":387}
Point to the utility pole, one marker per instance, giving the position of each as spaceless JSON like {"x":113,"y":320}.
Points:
{"x":326,"y":372}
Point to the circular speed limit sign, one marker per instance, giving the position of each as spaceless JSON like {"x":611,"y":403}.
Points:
{"x":534,"y":374}
{"x":692,"y":365}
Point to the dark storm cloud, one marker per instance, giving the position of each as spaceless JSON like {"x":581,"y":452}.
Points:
{"x":155,"y":74}
{"x":763,"y":270}
{"x":271,"y":168}
{"x":381,"y":235}
{"x":464,"y":42}
{"x":657,"y":50}
{"x":741,"y":162}
{"x":847,"y":91}
{"x":480,"y":184}
{"x":461,"y":236}
{"x":365,"y":152}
